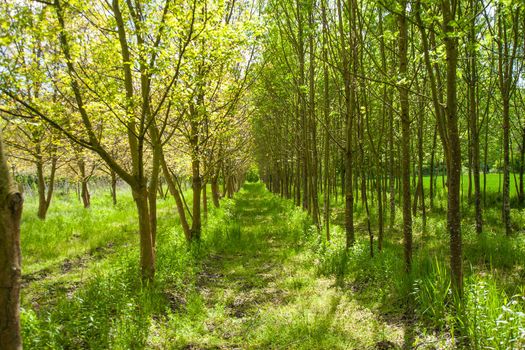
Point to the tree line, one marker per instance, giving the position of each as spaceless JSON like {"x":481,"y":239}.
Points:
{"x":360,"y":99}
{"x":145,"y":92}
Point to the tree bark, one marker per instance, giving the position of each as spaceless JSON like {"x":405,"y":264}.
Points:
{"x":473,"y":115}
{"x":11,"y":202}
{"x":44,"y":199}
{"x":113,"y":186}
{"x":454,"y":152}
{"x":215,"y":190}
{"x":84,"y":190}
{"x":147,"y":250}
{"x":405,"y":135}
{"x":196,"y":224}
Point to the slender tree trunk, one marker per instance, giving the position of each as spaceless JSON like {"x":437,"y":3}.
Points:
{"x":326,"y":112}
{"x":113,"y":186}
{"x":473,"y":116}
{"x":44,"y":198}
{"x":420,"y":185}
{"x":454,"y":155}
{"x":196,"y":181}
{"x":84,"y":190}
{"x":204,"y":201}
{"x":507,"y":47}
{"x":152,"y":186}
{"x":506,"y":166}
{"x":349,"y":99}
{"x":42,"y":204}
{"x":215,"y":190}
{"x":172,"y":186}
{"x":391,"y":177}
{"x":522,"y":167}
{"x":314,"y":185}
{"x":405,"y":136}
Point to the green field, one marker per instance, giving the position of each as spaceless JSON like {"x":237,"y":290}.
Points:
{"x":261,"y":278}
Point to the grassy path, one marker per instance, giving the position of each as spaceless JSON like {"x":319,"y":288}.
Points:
{"x":262,"y":291}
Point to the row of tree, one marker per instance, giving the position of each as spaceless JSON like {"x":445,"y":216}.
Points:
{"x":364,"y":96}
{"x":148,"y":92}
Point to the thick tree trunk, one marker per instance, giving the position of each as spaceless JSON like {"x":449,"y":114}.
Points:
{"x":10,"y":259}
{"x":147,"y":250}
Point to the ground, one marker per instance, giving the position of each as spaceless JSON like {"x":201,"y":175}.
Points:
{"x":262,"y":277}
{"x":266,"y":294}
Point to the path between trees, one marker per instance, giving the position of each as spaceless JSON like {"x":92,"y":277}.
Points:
{"x":263,"y":291}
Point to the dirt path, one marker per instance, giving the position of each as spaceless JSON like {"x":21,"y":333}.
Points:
{"x":263,"y":292}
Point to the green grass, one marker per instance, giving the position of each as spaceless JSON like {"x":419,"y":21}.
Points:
{"x":251,"y":283}
{"x":263,"y":278}
{"x":70,"y":230}
{"x":491,"y":315}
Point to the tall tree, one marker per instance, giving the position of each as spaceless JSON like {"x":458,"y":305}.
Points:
{"x":405,"y":132}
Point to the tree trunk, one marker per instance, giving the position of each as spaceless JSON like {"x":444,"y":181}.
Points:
{"x":84,"y":190}
{"x":326,"y":113}
{"x":11,"y":202}
{"x":113,"y":187}
{"x":42,"y":204}
{"x":432,"y":175}
{"x":204,"y":201}
{"x":405,"y":135}
{"x":522,"y":166}
{"x":454,"y":154}
{"x":196,"y":182}
{"x":44,"y":199}
{"x":172,"y":186}
{"x":473,"y":116}
{"x":147,"y":250}
{"x":215,"y":190}
{"x":349,"y":108}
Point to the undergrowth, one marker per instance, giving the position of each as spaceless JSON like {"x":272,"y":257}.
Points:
{"x":491,"y":314}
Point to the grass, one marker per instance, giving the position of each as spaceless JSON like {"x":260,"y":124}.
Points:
{"x":263,"y":278}
{"x":491,"y":315}
{"x":251,"y":283}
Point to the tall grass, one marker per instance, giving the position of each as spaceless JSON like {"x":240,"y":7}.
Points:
{"x":491,"y":312}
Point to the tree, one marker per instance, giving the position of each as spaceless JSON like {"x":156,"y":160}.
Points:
{"x":10,"y":265}
{"x":131,"y":98}
{"x":405,"y":137}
